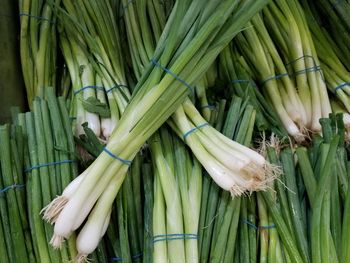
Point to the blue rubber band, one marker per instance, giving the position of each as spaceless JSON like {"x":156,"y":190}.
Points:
{"x":259,"y":227}
{"x":125,"y":259}
{"x":334,"y":6}
{"x":267,"y":227}
{"x":297,"y":59}
{"x":88,"y":87}
{"x":250,"y":224}
{"x":212,"y":107}
{"x":7,"y":188}
{"x":116,"y":87}
{"x":235,"y":81}
{"x":126,"y":162}
{"x":279,"y":76}
{"x":169,"y":237}
{"x":342,"y":85}
{"x":125,"y":7}
{"x":37,"y":17}
{"x":47,"y":164}
{"x":306,"y":70}
{"x":194,"y":129}
{"x":173,"y":74}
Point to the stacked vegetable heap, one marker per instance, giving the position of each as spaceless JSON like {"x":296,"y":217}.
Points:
{"x":179,"y":131}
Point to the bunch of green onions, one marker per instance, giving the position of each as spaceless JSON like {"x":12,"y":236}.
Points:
{"x":37,"y":47}
{"x":288,"y":70}
{"x":336,"y":74}
{"x":16,"y":242}
{"x":92,"y":51}
{"x":208,"y":145}
{"x":177,"y":193}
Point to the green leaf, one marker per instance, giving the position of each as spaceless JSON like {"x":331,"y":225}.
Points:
{"x":94,"y":105}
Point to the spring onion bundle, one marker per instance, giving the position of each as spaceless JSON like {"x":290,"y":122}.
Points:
{"x":332,"y":15}
{"x":92,"y":51}
{"x":206,"y":143}
{"x":227,"y":218}
{"x":16,"y":244}
{"x":337,"y":76}
{"x":287,"y":59}
{"x":240,"y":82}
{"x":37,"y":47}
{"x":54,"y":157}
{"x":176,"y":200}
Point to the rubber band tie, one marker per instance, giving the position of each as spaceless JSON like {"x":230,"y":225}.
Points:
{"x":47,"y":164}
{"x":194,"y":129}
{"x":209,"y":106}
{"x":306,"y":70}
{"x":37,"y":17}
{"x":240,"y":81}
{"x":88,"y":87}
{"x":338,"y":2}
{"x":258,"y":227}
{"x":342,"y":85}
{"x":7,"y":188}
{"x":116,"y":87}
{"x":297,"y":59}
{"x":173,"y":74}
{"x":126,"y":259}
{"x":169,"y":237}
{"x":279,"y":76}
{"x":126,"y":162}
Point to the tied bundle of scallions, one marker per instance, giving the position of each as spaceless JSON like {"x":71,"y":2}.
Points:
{"x":234,"y":167}
{"x":37,"y":47}
{"x":92,"y":51}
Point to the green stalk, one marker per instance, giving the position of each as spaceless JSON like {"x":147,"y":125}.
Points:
{"x":16,"y":145}
{"x":123,"y":227}
{"x":55,"y":185}
{"x":280,"y":218}
{"x":316,"y":222}
{"x":206,"y":230}
{"x":3,"y":248}
{"x":5,"y":223}
{"x":335,"y":215}
{"x":137,"y":198}
{"x":43,"y":171}
{"x":325,"y":238}
{"x":17,"y":235}
{"x":189,"y":176}
{"x":294,"y":203}
{"x":252,"y":232}
{"x":345,"y":238}
{"x":130,"y":212}
{"x":35,"y":196}
{"x":148,"y":206}
{"x":307,"y":173}
{"x":159,"y":223}
{"x":286,"y":237}
{"x":274,"y":253}
{"x":263,"y":231}
{"x":160,"y":149}
{"x":232,"y":234}
{"x":244,"y":249}
{"x":59,"y":137}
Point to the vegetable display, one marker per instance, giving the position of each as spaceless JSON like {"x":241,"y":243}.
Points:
{"x":178,"y":131}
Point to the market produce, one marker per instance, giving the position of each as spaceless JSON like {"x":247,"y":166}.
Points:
{"x":178,"y":131}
